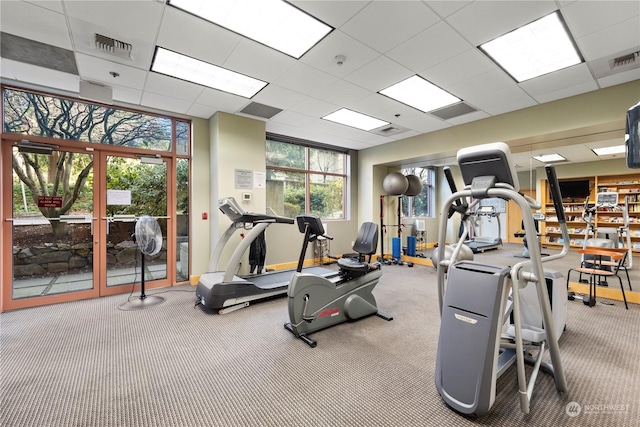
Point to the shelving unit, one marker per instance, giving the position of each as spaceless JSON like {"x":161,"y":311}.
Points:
{"x":627,"y":186}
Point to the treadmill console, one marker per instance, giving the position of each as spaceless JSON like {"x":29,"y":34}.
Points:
{"x":607,"y":199}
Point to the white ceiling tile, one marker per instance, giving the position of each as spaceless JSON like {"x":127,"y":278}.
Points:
{"x":447,"y":7}
{"x":172,"y":87}
{"x":187,"y":34}
{"x":374,"y":104}
{"x":343,"y":93}
{"x":333,"y":13}
{"x":624,"y":35}
{"x":588,"y":17}
{"x":616,"y":79}
{"x":482,"y":21}
{"x":36,"y":23}
{"x":503,"y":100}
{"x":127,"y":95}
{"x":315,"y":107}
{"x":222,"y":101}
{"x":384,"y":25}
{"x":432,"y":46}
{"x":44,"y":77}
{"x":458,"y":69}
{"x":305,"y":79}
{"x":482,"y":84}
{"x":97,"y":70}
{"x":563,"y":84}
{"x":258,"y":61}
{"x":323,"y":55}
{"x":293,"y":118}
{"x":165,"y":103}
{"x":467,"y":118}
{"x":379,"y":74}
{"x":54,"y":5}
{"x":279,"y":97}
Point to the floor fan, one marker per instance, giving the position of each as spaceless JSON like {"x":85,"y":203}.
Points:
{"x":148,"y":237}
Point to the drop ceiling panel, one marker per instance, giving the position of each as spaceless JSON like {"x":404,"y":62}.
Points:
{"x":165,"y":103}
{"x":127,"y":95}
{"x":379,"y":74}
{"x":560,"y":82}
{"x":342,"y":93}
{"x":486,"y":83}
{"x":64,"y":82}
{"x":305,"y":79}
{"x":34,"y":22}
{"x":502,"y":101}
{"x":588,"y":17}
{"x":168,"y":86}
{"x":97,"y":70}
{"x":624,"y":35}
{"x":356,"y":54}
{"x":280,"y":97}
{"x":458,"y":69}
{"x":333,"y":13}
{"x":258,"y":61}
{"x":315,"y":107}
{"x":221,"y":100}
{"x":203,"y":40}
{"x":384,"y":25}
{"x":421,"y":52}
{"x":445,"y":8}
{"x":619,"y":78}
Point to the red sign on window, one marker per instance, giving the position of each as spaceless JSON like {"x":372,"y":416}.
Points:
{"x":49,"y":201}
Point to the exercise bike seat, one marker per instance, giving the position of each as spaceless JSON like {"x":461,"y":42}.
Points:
{"x":365,"y":245}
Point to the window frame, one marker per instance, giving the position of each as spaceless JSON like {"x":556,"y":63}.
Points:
{"x":308,"y":172}
{"x":428,"y":185}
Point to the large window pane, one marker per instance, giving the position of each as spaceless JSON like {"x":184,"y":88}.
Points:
{"x":285,"y":155}
{"x":39,"y":115}
{"x":183,"y":138}
{"x":326,"y":161}
{"x":286,"y":193}
{"x":327,"y":196}
{"x":422,"y":204}
{"x":182,"y":212}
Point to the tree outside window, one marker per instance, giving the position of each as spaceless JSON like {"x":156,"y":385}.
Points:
{"x":421,"y":205}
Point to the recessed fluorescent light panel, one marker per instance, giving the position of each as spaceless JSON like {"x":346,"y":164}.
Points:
{"x":616,"y":149}
{"x":274,"y":23}
{"x":193,"y":70}
{"x":420,"y":94}
{"x":538,"y":48}
{"x":354,"y":119}
{"x":546,"y":158}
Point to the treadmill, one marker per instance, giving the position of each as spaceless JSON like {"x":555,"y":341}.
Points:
{"x":485,"y":243}
{"x":223,"y":291}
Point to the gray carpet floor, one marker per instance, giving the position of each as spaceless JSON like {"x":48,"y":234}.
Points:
{"x":87,"y":363}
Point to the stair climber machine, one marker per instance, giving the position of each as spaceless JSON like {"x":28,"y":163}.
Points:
{"x":493,"y":316}
{"x":317,"y":302}
{"x":224,"y":291}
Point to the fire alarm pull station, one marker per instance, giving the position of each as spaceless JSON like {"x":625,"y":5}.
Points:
{"x":204,"y":215}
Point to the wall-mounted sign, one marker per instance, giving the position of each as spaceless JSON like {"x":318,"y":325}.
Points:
{"x":49,"y":201}
{"x":119,"y":197}
{"x":244,"y":179}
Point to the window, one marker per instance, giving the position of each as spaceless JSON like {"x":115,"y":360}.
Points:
{"x":423,"y":204}
{"x":35,"y":114}
{"x":303,"y":179}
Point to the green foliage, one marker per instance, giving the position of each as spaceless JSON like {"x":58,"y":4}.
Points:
{"x":147,"y":183}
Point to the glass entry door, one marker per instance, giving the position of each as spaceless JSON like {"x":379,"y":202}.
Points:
{"x":53,"y":223}
{"x":135,"y":186}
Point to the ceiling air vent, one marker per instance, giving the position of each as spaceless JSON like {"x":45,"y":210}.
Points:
{"x":389,"y":130}
{"x":113,"y":46}
{"x":621,"y":61}
{"x":260,"y":110}
{"x":455,"y":110}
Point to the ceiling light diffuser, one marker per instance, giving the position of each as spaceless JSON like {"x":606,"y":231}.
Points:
{"x":355,"y":119}
{"x":616,"y":149}
{"x":274,"y":23}
{"x":538,"y":48}
{"x":420,"y":94}
{"x":193,"y":70}
{"x":546,"y":158}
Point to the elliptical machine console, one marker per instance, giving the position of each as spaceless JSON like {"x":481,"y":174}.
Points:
{"x":317,"y":302}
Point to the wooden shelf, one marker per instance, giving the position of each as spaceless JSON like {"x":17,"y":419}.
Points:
{"x":627,"y":186}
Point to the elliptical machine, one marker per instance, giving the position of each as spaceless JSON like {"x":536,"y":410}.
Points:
{"x":477,"y":300}
{"x":317,"y":302}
